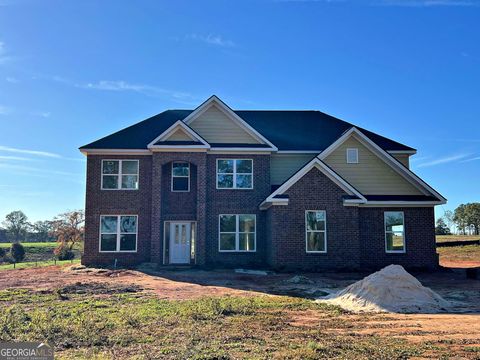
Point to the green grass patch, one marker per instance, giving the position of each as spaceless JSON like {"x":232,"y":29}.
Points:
{"x":105,"y":323}
{"x":32,"y":264}
{"x":448,"y":238}
{"x":32,"y":244}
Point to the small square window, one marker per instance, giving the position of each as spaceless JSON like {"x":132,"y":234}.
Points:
{"x":352,"y":156}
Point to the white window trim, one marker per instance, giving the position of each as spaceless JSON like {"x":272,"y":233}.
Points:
{"x":307,"y":231}
{"x":237,"y":233}
{"x":176,"y":176}
{"x":118,"y":235}
{"x":120,"y":174}
{"x":355,"y":150}
{"x":234,"y":174}
{"x":386,"y":232}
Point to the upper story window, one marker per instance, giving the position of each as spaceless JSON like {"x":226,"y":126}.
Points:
{"x":394,"y":231}
{"x":180,"y":176}
{"x":119,"y":174}
{"x":316,"y":231}
{"x":234,"y":174}
{"x":352,"y":156}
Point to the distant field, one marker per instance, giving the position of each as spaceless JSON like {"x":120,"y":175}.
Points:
{"x":41,"y":251}
{"x":26,"y":265}
{"x":468,"y":253}
{"x":447,"y":238}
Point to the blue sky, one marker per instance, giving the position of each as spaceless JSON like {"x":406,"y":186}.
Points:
{"x":74,"y":71}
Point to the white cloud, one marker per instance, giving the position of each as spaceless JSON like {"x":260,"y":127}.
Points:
{"x":12,"y":80}
{"x":5,"y":110}
{"x":3,"y":54}
{"x":44,"y":114}
{"x":30,"y":152}
{"x":19,"y":158}
{"x":428,"y":3}
{"x":471,"y":159}
{"x":145,"y":89}
{"x":443,"y":160}
{"x":211,"y":39}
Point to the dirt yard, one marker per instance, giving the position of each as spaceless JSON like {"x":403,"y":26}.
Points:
{"x":457,"y":332}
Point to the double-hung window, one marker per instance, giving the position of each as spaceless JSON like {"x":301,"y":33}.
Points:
{"x":118,"y":233}
{"x":180,"y":176}
{"x":234,"y":174}
{"x":119,"y":174}
{"x":237,"y":233}
{"x":394,"y":231}
{"x":316,"y":231}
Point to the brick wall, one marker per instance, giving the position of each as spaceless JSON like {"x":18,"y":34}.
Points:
{"x":237,"y":202}
{"x":288,"y":249}
{"x":116,"y":202}
{"x":419,"y":238}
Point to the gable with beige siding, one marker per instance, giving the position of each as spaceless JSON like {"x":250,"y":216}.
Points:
{"x":179,"y":135}
{"x":282,"y":166}
{"x":371,"y":176}
{"x":216,"y":127}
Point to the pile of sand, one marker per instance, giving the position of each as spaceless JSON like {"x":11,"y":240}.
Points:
{"x":391,"y":289}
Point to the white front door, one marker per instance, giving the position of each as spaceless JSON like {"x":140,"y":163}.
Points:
{"x":180,"y":233}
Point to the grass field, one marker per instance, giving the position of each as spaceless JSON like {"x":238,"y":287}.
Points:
{"x":466,"y":253}
{"x":26,"y":265}
{"x":38,"y":252}
{"x":32,"y":244}
{"x":101,"y":323}
{"x":447,"y":238}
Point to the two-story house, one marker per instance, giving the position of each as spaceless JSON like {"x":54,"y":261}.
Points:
{"x":285,"y":189}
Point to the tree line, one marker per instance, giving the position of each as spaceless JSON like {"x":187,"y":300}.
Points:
{"x":67,"y":229}
{"x":464,"y":220}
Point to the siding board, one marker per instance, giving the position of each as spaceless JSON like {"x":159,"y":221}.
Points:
{"x":282,"y":166}
{"x":371,"y":176}
{"x":216,"y":127}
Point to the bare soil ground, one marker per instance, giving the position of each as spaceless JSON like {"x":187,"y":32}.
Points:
{"x":459,"y":328}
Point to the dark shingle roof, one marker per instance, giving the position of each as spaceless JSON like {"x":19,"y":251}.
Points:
{"x":288,"y":130}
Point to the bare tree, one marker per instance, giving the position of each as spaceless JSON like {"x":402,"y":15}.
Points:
{"x":68,"y":228}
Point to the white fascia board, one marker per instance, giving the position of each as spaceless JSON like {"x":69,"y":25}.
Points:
{"x":267,"y":204}
{"x":315,"y":162}
{"x":231,"y":114}
{"x":400,"y":152}
{"x":115,"y":151}
{"x":178,"y":124}
{"x":406,"y":173}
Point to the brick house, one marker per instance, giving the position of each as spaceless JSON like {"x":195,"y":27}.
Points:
{"x":281,"y":189}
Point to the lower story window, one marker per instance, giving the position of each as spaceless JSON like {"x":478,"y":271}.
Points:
{"x":237,"y":232}
{"x":316,"y":231}
{"x":394,"y":231}
{"x":118,"y":233}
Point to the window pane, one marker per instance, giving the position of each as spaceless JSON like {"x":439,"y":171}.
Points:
{"x":180,"y":169}
{"x":108,"y":242}
{"x":227,"y":241}
{"x":129,"y":167}
{"x":128,"y":242}
{"x":315,"y":241}
{"x":225,"y":181}
{"x":110,"y":167}
{"x":110,"y":182}
{"x":395,"y":241}
{"x":228,"y":223}
{"x":394,"y":221}
{"x":244,"y":181}
{"x":108,"y":224}
{"x":244,"y":166}
{"x":246,"y":242}
{"x":180,"y":184}
{"x":247,"y":223}
{"x":315,"y":220}
{"x":225,"y":166}
{"x":129,"y":182}
{"x":128,"y":224}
